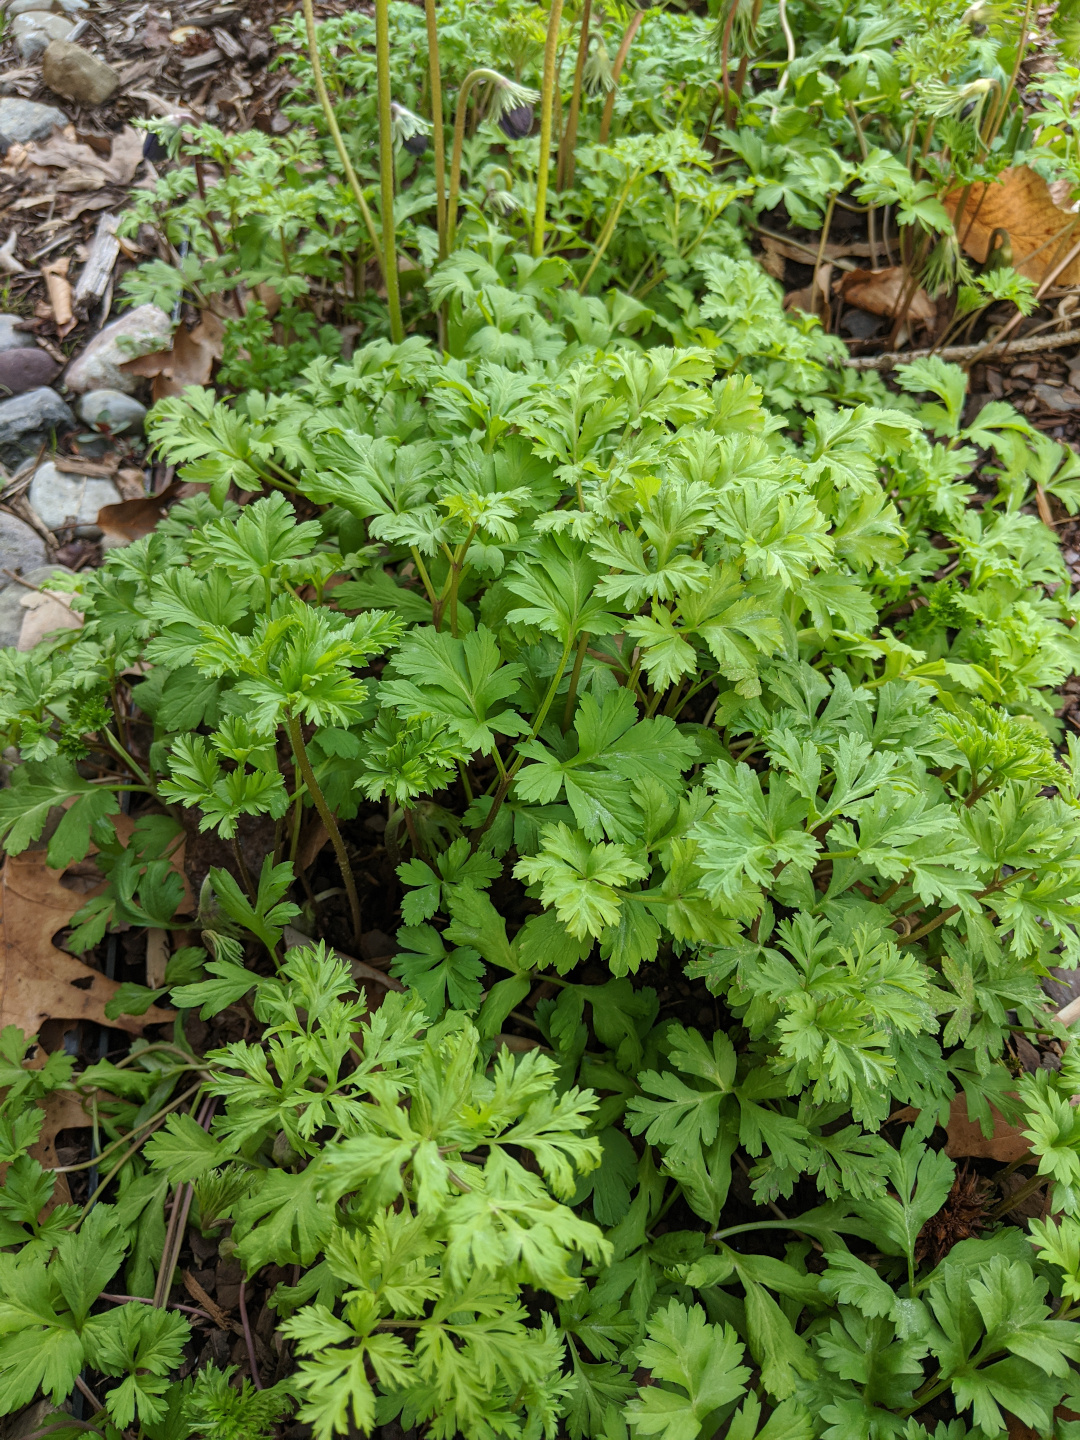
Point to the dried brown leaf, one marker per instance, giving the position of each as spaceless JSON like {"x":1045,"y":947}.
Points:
{"x":1020,"y":203}
{"x":878,"y":292}
{"x":966,"y":1140}
{"x":38,"y":982}
{"x":132,"y":519}
{"x":190,"y":361}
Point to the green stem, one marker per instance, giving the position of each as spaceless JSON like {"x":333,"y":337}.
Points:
{"x":575,"y":675}
{"x":460,"y":115}
{"x":999,"y":110}
{"x":332,"y":126}
{"x":616,"y":71}
{"x":438,"y":139}
{"x":547,"y":107}
{"x":296,"y":738}
{"x":136,"y":769}
{"x":564,"y":174}
{"x":604,"y":238}
{"x":386,"y":169}
{"x":508,"y":779}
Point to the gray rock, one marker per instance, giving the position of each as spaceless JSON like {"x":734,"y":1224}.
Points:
{"x":112,"y":408}
{"x":12,"y":609}
{"x":12,"y":339}
{"x":29,"y":421}
{"x":22,"y":370}
{"x":74,"y":73}
{"x":21,"y":549}
{"x":61,"y":500}
{"x":1054,"y":399}
{"x":20,"y":7}
{"x":25,"y":120}
{"x":137,"y":332}
{"x":35,"y":30}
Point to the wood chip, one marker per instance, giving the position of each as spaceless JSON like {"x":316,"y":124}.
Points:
{"x":97,"y":272}
{"x":59,"y":289}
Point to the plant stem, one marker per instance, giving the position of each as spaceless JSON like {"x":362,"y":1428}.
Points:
{"x":438,"y":139}
{"x":604,"y":238}
{"x":460,"y":114}
{"x":386,"y":169}
{"x":564,"y":175}
{"x":508,"y":779}
{"x":814,"y":283}
{"x":249,"y":1340}
{"x":296,"y":739}
{"x":575,"y":675}
{"x":616,"y":71}
{"x":547,"y":106}
{"x":725,"y":56}
{"x":1021,"y":47}
{"x":332,"y":126}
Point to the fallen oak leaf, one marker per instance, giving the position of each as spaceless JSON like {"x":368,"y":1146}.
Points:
{"x":1019,"y":202}
{"x":38,"y":982}
{"x":189,"y":361}
{"x":132,"y":519}
{"x":967,"y":1141}
{"x":879,"y":292}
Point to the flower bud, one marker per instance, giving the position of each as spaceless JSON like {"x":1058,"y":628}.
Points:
{"x":516,"y":123}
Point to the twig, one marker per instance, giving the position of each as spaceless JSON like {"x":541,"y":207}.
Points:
{"x":965,"y":352}
{"x":249,"y":1340}
{"x":84,"y":1389}
{"x":146,"y":1300}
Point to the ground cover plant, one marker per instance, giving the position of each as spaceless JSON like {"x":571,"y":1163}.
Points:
{"x":699,"y":691}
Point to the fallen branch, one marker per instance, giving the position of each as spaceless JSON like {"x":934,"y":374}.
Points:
{"x":965,"y":352}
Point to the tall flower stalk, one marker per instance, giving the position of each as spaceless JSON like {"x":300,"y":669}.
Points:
{"x":616,"y":71}
{"x":335,"y":130}
{"x":547,"y":108}
{"x":565,"y":173}
{"x":511,"y":107}
{"x":438,"y":140}
{"x":386,"y":168}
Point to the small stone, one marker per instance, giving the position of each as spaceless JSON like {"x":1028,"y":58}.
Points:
{"x":35,"y":30}
{"x":12,"y":609}
{"x":62,"y":501}
{"x":20,"y":7}
{"x":74,"y":73}
{"x":111,"y":408}
{"x":25,"y":120}
{"x":31,"y":420}
{"x":137,"y":332}
{"x":22,"y":370}
{"x":21,"y":549}
{"x":1052,"y":398}
{"x":994,"y":385}
{"x":11,"y":338}
{"x":1025,"y":370}
{"x":859,"y":325}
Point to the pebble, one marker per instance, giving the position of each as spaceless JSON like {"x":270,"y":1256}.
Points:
{"x":12,"y":609}
{"x":35,"y":30}
{"x":112,"y":408}
{"x":1056,"y":399}
{"x":61,"y":500}
{"x":31,"y":420}
{"x":22,"y":370}
{"x":26,"y":120}
{"x":74,"y":73}
{"x":21,"y":549}
{"x":12,"y":339}
{"x":137,"y":332}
